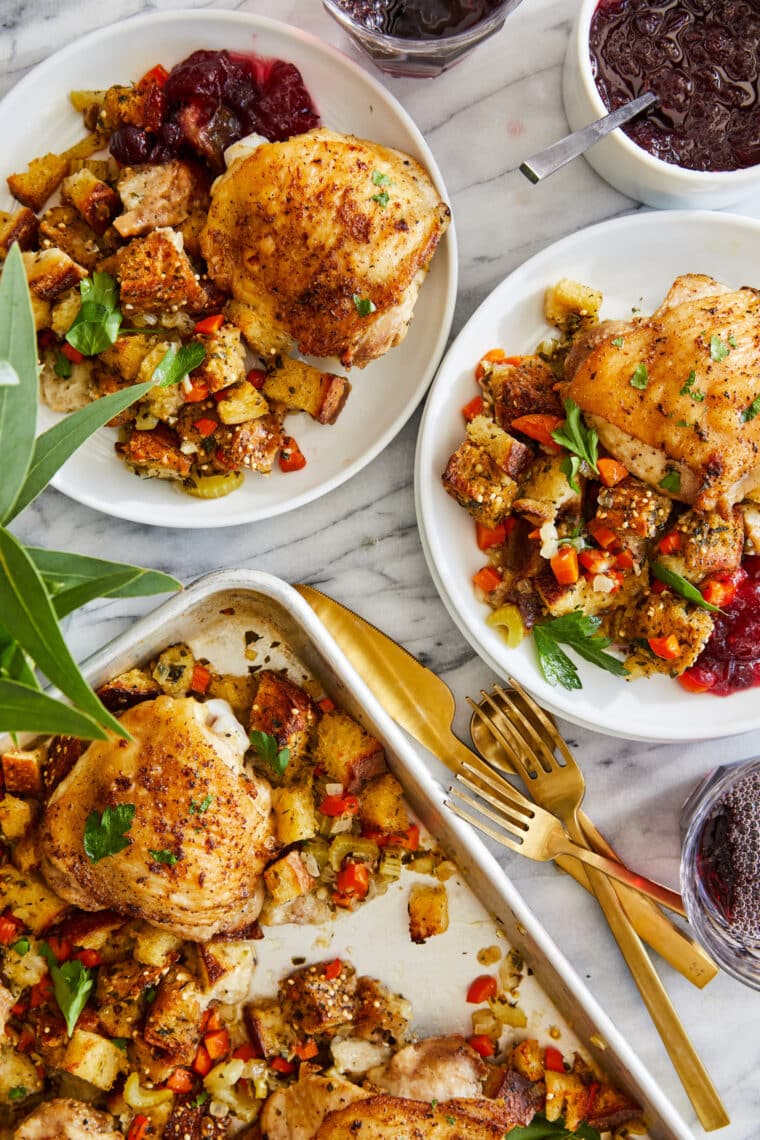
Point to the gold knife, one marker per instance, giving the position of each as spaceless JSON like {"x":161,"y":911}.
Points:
{"x":423,"y":704}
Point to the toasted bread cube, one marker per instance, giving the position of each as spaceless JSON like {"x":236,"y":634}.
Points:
{"x":582,"y":595}
{"x":611,"y":1108}
{"x":302,"y":388}
{"x":478,"y":484}
{"x":428,"y":911}
{"x":41,"y":312}
{"x":173,"y":670}
{"x":94,"y":1058}
{"x":506,"y":451}
{"x":155,"y":454}
{"x":527,"y":1058}
{"x":347,"y":752}
{"x":29,"y":899}
{"x":261,"y":333}
{"x":17,"y":1071}
{"x":128,"y":689}
{"x":521,"y":389}
{"x":41,"y":178}
{"x":51,"y":272}
{"x":226,"y":968}
{"x":62,"y":754}
{"x":381,"y":1015}
{"x":381,"y":806}
{"x":154,"y":947}
{"x":91,"y":930}
{"x":318,"y":1004}
{"x":224,"y":365}
{"x":61,"y":227}
{"x":545,"y":491}
{"x":566,"y":1097}
{"x":270,"y":1028}
{"x":242,"y":402}
{"x":632,"y":508}
{"x":126,"y":981}
{"x":82,"y":100}
{"x":285,"y":711}
{"x":568,"y":302}
{"x":136,"y":106}
{"x":287,"y":878}
{"x":173,"y":1020}
{"x":295,"y":817}
{"x":656,"y":616}
{"x":188,"y":1120}
{"x":710,"y":544}
{"x":237,"y":691}
{"x":155,"y":275}
{"x":21,"y":227}
{"x":97,"y":202}
{"x":22,"y":970}
{"x":127,"y":354}
{"x":253,"y":445}
{"x":65,"y":311}
{"x":22,"y":770}
{"x":16,"y":817}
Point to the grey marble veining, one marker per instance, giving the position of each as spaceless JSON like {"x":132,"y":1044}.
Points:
{"x":361,"y":544}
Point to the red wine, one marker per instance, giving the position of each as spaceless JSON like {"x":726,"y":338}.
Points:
{"x":729,"y":856}
{"x":420,"y":19}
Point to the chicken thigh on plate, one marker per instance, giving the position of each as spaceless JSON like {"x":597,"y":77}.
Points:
{"x":198,"y":827}
{"x":328,"y":237}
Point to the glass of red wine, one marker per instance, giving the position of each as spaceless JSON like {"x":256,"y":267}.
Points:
{"x":720,"y":867}
{"x":418,"y":38}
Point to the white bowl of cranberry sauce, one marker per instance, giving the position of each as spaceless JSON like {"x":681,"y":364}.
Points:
{"x":700,"y":145}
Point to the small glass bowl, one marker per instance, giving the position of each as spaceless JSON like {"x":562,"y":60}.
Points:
{"x":737,"y":953}
{"x":420,"y":59}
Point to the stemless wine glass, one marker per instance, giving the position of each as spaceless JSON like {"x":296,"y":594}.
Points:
{"x":720,"y":861}
{"x":418,"y":58}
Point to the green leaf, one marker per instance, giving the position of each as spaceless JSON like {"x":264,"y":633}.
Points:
{"x":542,"y":1129}
{"x":363,"y":305}
{"x":9,"y":377}
{"x":719,"y":350}
{"x":63,"y":366}
{"x":72,"y":984}
{"x":555,"y":664}
{"x":689,"y":389}
{"x":380,"y":179}
{"x":671,"y":481}
{"x":382,"y":199}
{"x":176,"y":363}
{"x":164,"y":856}
{"x":571,"y":465}
{"x":63,"y":571}
{"x":21,"y":947}
{"x":96,"y":325}
{"x":18,"y":1092}
{"x":751,"y":410}
{"x":25,"y":709}
{"x":681,"y":586}
{"x":14,"y":663}
{"x":203,"y":806}
{"x":576,"y":437}
{"x":618,"y":342}
{"x":18,"y":402}
{"x":28,"y":612}
{"x":105,"y":833}
{"x":640,"y":377}
{"x":267,"y":748}
{"x":580,"y":632}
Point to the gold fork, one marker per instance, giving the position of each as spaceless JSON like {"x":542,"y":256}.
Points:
{"x":530,"y":830}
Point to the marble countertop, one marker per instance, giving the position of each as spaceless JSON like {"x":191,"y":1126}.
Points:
{"x":361,"y":545}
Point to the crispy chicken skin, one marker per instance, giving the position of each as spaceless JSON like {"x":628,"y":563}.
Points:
{"x":701,"y":351}
{"x":206,"y":877}
{"x":437,"y":1068}
{"x":66,"y":1119}
{"x":296,"y":1112}
{"x":301,"y":228}
{"x":388,"y":1117}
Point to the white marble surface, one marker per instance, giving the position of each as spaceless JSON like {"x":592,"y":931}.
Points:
{"x":361,"y":545}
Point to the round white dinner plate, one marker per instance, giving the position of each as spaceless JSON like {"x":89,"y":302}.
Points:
{"x":36,"y":117}
{"x":633,"y":260}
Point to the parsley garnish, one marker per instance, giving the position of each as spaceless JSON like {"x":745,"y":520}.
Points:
{"x":72,"y":983}
{"x":580,"y":440}
{"x":689,"y":389}
{"x":149,"y":993}
{"x":570,"y":466}
{"x":120,"y":1043}
{"x":732,"y":340}
{"x":96,"y":325}
{"x":266,"y":746}
{"x":579,"y":631}
{"x":164,"y":856}
{"x":106,"y":834}
{"x":542,"y":1129}
{"x":751,"y":410}
{"x":17,"y":1092}
{"x":204,"y":805}
{"x":21,"y":946}
{"x":176,"y":363}
{"x":380,"y":179}
{"x":382,"y":199}
{"x":363,"y":305}
{"x":683,"y":423}
{"x":451,"y":1120}
{"x":618,"y":342}
{"x":201,"y":1098}
{"x":63,"y":366}
{"x":719,"y":350}
{"x":434,"y":1103}
{"x":681,"y":586}
{"x":640,"y":377}
{"x":671,"y":481}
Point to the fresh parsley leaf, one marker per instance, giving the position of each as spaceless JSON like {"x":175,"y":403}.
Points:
{"x":63,"y":366}
{"x":451,"y":1120}
{"x":267,"y":748}
{"x":542,"y":1129}
{"x":18,"y":1092}
{"x":363,"y":305}
{"x":683,"y":423}
{"x":618,"y":342}
{"x":204,"y":805}
{"x":577,"y":438}
{"x":120,"y":1043}
{"x":580,"y":632}
{"x":164,"y":856}
{"x":571,"y":465}
{"x":72,"y":984}
{"x":382,"y":199}
{"x":177,"y":363}
{"x":640,"y":377}
{"x":380,"y":179}
{"x":149,"y":993}
{"x":671,"y":481}
{"x":96,"y":325}
{"x":201,"y":1099}
{"x":751,"y":410}
{"x":21,"y":946}
{"x":719,"y":350}
{"x":106,"y":834}
{"x":732,"y":341}
{"x":689,"y":389}
{"x":434,"y":1103}
{"x":554,"y":663}
{"x":681,"y":586}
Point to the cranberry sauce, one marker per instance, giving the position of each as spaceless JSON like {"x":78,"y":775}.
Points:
{"x":728,"y":859}
{"x":419,"y":19}
{"x":212,"y":99}
{"x":731,"y":659}
{"x":702,"y":59}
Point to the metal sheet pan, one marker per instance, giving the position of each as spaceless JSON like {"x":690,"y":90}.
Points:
{"x":212,"y":616}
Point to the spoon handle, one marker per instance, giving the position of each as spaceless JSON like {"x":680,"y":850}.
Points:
{"x":545,"y":162}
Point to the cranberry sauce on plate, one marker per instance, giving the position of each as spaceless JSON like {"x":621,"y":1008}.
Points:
{"x":419,"y":19}
{"x":702,"y":59}
{"x":728,"y":858}
{"x":731,"y":659}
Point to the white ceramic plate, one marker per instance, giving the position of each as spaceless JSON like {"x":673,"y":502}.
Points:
{"x":633,"y":260}
{"x":36,"y":117}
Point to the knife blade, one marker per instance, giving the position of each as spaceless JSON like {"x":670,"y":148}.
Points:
{"x":418,"y":700}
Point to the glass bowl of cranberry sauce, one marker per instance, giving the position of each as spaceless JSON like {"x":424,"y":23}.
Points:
{"x":418,"y":38}
{"x":720,"y":867}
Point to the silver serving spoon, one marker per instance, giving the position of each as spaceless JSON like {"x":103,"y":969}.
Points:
{"x":541,"y":165}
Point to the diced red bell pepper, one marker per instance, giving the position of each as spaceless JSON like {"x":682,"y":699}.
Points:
{"x":41,"y":993}
{"x":138,"y":1129}
{"x":209,"y":325}
{"x":719,"y":591}
{"x":202,"y":1063}
{"x":282,"y":1065}
{"x":693,"y":681}
{"x":157,"y":75}
{"x":353,"y":880}
{"x":473,"y":408}
{"x":257,"y":377}
{"x":333,"y":969}
{"x":305,"y":1050}
{"x":339,"y":805}
{"x":596,"y":561}
{"x":624,"y":560}
{"x":217,"y":1043}
{"x":487,"y":579}
{"x":61,"y":948}
{"x":553,"y":1060}
{"x":481,"y":989}
{"x":89,"y":958}
{"x":71,"y":353}
{"x":593,"y":1091}
{"x":603,"y":535}
{"x":246,"y":1052}
{"x":25,"y":1040}
{"x":326,"y":705}
{"x":657,"y":587}
{"x":181,"y":1081}
{"x":539,"y":427}
{"x":291,"y":456}
{"x":10,"y":928}
{"x":482,"y":1045}
{"x":611,"y":472}
{"x":201,"y":678}
{"x":668,"y":648}
{"x":205,"y":426}
{"x":409,"y":839}
{"x":671,"y":543}
{"x":196,"y":393}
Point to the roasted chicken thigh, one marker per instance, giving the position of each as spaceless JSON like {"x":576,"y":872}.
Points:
{"x":200,"y":833}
